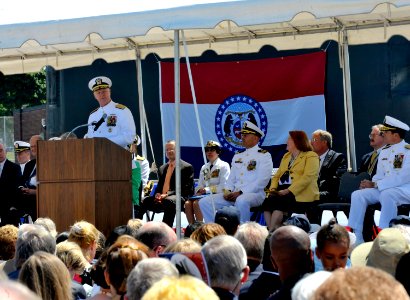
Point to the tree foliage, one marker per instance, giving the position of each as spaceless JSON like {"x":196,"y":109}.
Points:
{"x":23,"y":90}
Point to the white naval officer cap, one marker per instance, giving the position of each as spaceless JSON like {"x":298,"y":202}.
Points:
{"x":249,"y":127}
{"x":137,"y":140}
{"x":20,"y":146}
{"x":392,"y":124}
{"x":99,"y":82}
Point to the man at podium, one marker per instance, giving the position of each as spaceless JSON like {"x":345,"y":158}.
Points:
{"x":111,"y":120}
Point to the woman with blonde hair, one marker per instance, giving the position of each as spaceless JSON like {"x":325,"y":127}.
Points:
{"x":47,"y":276}
{"x":207,"y":232}
{"x":85,"y":235}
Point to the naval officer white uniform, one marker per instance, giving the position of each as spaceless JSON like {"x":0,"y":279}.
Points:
{"x":251,"y":170}
{"x":390,"y":185}
{"x":213,"y":175}
{"x":118,"y":125}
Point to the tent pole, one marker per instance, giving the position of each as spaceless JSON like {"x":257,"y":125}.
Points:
{"x":350,"y":141}
{"x":141,"y":103}
{"x":177,"y":134}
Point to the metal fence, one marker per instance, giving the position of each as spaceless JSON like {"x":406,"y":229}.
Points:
{"x":7,"y":132}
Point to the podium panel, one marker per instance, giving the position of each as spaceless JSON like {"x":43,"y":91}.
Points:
{"x":86,"y":179}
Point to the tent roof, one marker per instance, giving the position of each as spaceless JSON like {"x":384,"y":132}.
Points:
{"x":229,"y":27}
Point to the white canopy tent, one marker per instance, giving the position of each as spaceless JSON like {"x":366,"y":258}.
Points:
{"x":242,"y":26}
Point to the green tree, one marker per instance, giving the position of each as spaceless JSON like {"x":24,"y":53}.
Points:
{"x":23,"y":90}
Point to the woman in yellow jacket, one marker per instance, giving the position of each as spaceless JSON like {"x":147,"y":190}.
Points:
{"x":294,"y":186}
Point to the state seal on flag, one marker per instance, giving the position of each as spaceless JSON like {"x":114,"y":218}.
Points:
{"x":231,"y":115}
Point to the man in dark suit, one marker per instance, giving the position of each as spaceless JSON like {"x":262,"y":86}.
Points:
{"x":369,"y":160}
{"x":165,"y":198}
{"x":332,"y":165}
{"x":10,"y":176}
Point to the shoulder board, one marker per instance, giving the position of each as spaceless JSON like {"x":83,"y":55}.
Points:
{"x":386,"y":147}
{"x":240,"y":151}
{"x":407,"y":146}
{"x":263,"y":151}
{"x":120,"y":106}
{"x":94,"y":110}
{"x":140,"y":158}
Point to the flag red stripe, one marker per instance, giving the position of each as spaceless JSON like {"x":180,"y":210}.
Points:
{"x":266,"y":79}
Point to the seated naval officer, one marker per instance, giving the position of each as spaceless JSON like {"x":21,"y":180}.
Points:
{"x":251,"y":170}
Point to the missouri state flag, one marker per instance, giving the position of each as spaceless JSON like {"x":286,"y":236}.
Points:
{"x":277,"y":94}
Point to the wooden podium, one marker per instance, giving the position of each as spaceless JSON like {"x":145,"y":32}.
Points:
{"x":84,"y":179}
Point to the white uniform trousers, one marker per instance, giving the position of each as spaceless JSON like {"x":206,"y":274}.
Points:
{"x":244,"y":203}
{"x":388,"y":198}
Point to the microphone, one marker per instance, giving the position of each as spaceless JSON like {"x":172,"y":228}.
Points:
{"x":79,"y":126}
{"x":100,"y":121}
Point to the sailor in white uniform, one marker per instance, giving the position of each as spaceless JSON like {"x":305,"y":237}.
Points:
{"x":22,"y":150}
{"x":251,"y":170}
{"x":390,"y":185}
{"x":111,"y":120}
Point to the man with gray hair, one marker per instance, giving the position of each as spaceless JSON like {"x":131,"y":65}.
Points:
{"x":331,"y":168}
{"x":31,"y":238}
{"x":252,"y":236}
{"x":156,"y":235}
{"x":146,"y":273}
{"x":227,"y":265}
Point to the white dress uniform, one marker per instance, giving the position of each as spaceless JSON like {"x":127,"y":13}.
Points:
{"x":145,"y":170}
{"x":214,"y":179}
{"x":118,"y":127}
{"x":250,"y":173}
{"x":393,"y":187}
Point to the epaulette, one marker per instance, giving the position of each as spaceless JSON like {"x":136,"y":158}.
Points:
{"x":94,"y":110}
{"x":120,"y":106}
{"x":141,"y":158}
{"x":407,"y":146}
{"x":240,"y":151}
{"x":386,"y":147}
{"x":263,"y":151}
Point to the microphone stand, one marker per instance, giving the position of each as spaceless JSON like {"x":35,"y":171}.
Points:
{"x":79,"y":126}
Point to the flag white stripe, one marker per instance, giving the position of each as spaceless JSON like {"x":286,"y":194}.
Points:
{"x":305,"y":113}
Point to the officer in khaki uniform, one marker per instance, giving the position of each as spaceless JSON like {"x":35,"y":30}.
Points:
{"x":390,"y":185}
{"x":251,"y":170}
{"x":111,"y":120}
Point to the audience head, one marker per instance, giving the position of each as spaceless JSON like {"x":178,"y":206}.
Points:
{"x":252,"y":237}
{"x":122,"y":256}
{"x":47,"y":276}
{"x":8,"y":239}
{"x":360,"y":283}
{"x":301,"y":221}
{"x":290,"y":252}
{"x":146,"y":273}
{"x":229,"y":217}
{"x":86,"y":236}
{"x":72,"y":257}
{"x":207,"y":232}
{"x":250,"y":134}
{"x":300,"y":140}
{"x":227,"y":262}
{"x":48,"y":224}
{"x":22,"y":151}
{"x":384,"y":252}
{"x":14,"y":290}
{"x":156,"y":235}
{"x":403,"y":271}
{"x":396,"y":128}
{"x":184,"y":288}
{"x":321,"y":141}
{"x":306,"y":287}
{"x":98,"y":269}
{"x":184,"y":245}
{"x":212,"y":150}
{"x":333,"y":243}
{"x":170,"y":150}
{"x":62,"y":236}
{"x":133,"y":226}
{"x":32,"y":238}
{"x":117,"y":232}
{"x":192,"y":227}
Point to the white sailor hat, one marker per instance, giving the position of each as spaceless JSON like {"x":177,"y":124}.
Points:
{"x":392,"y":124}
{"x":20,"y":146}
{"x":99,"y":82}
{"x":249,"y":127}
{"x":212,"y":144}
{"x":137,"y":140}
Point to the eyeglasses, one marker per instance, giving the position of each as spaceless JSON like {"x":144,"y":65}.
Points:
{"x":315,"y":139}
{"x":374,"y":135}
